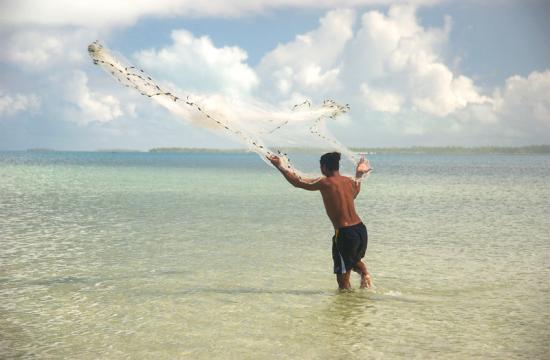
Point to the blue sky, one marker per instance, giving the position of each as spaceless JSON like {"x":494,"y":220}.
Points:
{"x":426,"y":73}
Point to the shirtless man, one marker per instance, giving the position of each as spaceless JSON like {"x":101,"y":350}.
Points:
{"x":349,"y":242}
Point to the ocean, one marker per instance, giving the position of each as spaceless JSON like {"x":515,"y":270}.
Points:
{"x":215,"y":256}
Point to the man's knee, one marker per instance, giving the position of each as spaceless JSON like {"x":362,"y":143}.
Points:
{"x":360,"y":268}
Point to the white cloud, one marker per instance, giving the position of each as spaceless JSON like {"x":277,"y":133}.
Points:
{"x":40,"y":49}
{"x":531,"y":94}
{"x":310,"y":61}
{"x":394,"y":66}
{"x":14,"y":104}
{"x":390,"y":64}
{"x":384,"y":101}
{"x":402,"y":58}
{"x":524,"y":105}
{"x":516,"y":114}
{"x":390,"y":68}
{"x":93,"y":106}
{"x":106,"y":13}
{"x":197,"y":64}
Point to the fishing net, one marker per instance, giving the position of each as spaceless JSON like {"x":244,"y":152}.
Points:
{"x":298,"y":135}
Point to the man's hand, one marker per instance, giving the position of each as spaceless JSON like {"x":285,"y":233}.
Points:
{"x":363,"y":167}
{"x":275,"y":160}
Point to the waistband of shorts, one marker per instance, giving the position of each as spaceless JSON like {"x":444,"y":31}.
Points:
{"x":349,"y":227}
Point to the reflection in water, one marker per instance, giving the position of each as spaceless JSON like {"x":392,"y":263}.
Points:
{"x":346,"y":318}
{"x":350,"y":308}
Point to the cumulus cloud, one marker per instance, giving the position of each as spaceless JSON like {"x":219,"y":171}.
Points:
{"x":106,"y":13}
{"x":310,"y":61}
{"x":197,"y":64}
{"x":92,"y":106}
{"x":384,"y":62}
{"x":394,"y":67}
{"x":403,"y":58}
{"x":13,"y":104}
{"x":518,"y":113}
{"x":39,"y":49}
{"x":524,"y":104}
{"x":391,"y":62}
{"x":380,"y":100}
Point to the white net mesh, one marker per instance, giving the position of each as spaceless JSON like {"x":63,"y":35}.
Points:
{"x":261,"y":127}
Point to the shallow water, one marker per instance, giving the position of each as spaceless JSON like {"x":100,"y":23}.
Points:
{"x":214,"y":256}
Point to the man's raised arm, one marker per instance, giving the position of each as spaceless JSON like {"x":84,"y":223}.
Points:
{"x":363,"y":168}
{"x":292,"y":178}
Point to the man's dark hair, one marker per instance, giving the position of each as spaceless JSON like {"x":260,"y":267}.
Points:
{"x":331,"y":161}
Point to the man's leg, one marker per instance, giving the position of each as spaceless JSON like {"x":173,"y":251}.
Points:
{"x":343,"y":280}
{"x":361,"y":269}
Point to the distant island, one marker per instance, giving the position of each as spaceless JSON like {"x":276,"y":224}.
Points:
{"x":41,"y":150}
{"x":442,"y":150}
{"x":531,"y":149}
{"x":195,"y":150}
{"x":118,"y":150}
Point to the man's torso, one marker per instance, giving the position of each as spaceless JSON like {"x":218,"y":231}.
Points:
{"x":338,"y":196}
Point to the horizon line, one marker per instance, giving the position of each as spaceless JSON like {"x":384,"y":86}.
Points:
{"x":535,"y":148}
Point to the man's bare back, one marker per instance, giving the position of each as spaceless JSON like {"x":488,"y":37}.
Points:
{"x":339,"y":193}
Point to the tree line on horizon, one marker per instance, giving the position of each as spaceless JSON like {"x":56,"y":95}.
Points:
{"x":529,"y":149}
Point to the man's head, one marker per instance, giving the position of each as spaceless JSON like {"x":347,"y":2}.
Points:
{"x":330,"y":162}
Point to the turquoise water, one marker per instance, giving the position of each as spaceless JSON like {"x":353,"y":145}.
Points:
{"x":214,"y":256}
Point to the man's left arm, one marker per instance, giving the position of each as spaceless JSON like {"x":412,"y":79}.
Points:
{"x":357,"y":185}
{"x":363,"y":168}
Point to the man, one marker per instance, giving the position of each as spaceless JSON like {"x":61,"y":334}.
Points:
{"x":338,"y":192}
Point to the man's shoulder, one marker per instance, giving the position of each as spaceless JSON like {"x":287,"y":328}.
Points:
{"x":323,"y":180}
{"x":336,"y":180}
{"x":345,"y":179}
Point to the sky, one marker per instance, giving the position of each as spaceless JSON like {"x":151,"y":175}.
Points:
{"x":415,"y":73}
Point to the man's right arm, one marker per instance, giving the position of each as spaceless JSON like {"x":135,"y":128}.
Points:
{"x":293,"y":179}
